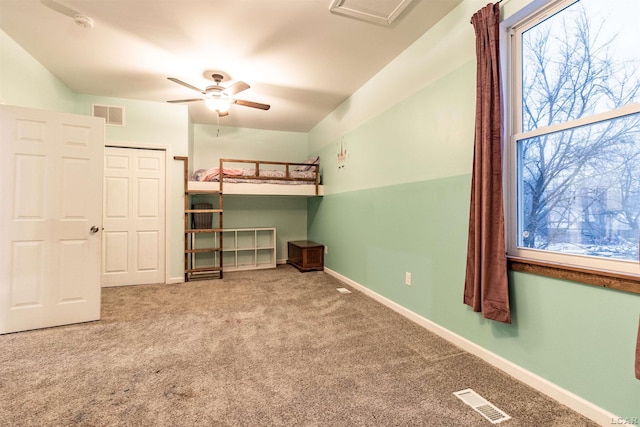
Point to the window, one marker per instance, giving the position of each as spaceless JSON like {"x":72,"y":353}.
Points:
{"x":573,"y":153}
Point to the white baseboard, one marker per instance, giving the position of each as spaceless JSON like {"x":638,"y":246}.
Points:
{"x":173,"y":280}
{"x":565,"y":397}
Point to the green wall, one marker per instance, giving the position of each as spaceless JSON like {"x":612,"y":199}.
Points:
{"x":400,"y":202}
{"x":211,"y":143}
{"x":287,"y":214}
{"x":376,"y":235}
{"x":24,"y":82}
{"x":154,"y":125}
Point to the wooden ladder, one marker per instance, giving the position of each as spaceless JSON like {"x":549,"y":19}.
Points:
{"x":213,"y":269}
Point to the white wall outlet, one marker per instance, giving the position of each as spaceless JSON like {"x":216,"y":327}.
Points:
{"x":326,"y":250}
{"x":407,"y":279}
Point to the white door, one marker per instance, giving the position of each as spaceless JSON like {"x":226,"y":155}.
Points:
{"x":50,"y":218}
{"x":134,"y":219}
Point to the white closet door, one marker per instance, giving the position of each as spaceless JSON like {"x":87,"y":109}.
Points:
{"x":50,"y":218}
{"x":134,"y":217}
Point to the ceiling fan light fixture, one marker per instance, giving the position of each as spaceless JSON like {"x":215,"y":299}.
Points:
{"x":218,"y":104}
{"x":219,"y":98}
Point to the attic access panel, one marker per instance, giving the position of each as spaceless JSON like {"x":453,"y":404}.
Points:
{"x":380,"y":11}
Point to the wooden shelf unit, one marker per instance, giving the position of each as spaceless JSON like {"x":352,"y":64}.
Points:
{"x":249,"y":248}
{"x":203,"y":235}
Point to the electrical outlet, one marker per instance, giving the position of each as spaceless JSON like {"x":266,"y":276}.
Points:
{"x":326,"y":250}
{"x":407,"y":279}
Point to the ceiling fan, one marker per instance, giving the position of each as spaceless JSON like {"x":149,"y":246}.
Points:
{"x":79,"y":18}
{"x":220,"y":98}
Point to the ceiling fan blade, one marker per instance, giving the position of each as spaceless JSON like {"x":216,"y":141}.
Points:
{"x":180,"y":82}
{"x":237,"y":87}
{"x":251,"y":104}
{"x":60,"y":8}
{"x":186,"y":100}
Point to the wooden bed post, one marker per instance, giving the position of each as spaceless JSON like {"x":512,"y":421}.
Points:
{"x":221,"y":173}
{"x":185,"y":197}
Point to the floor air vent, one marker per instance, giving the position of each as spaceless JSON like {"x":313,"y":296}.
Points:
{"x":479,"y":404}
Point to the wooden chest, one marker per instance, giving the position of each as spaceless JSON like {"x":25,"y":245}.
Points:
{"x":306,"y":255}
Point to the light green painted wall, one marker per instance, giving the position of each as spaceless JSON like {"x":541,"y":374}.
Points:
{"x":577,"y":336}
{"x":376,"y":235}
{"x":421,"y":137}
{"x":400,"y":204}
{"x":145,"y":121}
{"x":26,"y":83}
{"x":442,"y":50}
{"x":380,"y":220}
{"x":287,"y":214}
{"x":212,"y":143}
{"x":155,"y":125}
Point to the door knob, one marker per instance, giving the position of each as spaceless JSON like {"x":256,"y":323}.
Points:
{"x":94,"y":229}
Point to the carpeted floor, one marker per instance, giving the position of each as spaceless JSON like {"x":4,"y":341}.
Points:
{"x":268,"y":348}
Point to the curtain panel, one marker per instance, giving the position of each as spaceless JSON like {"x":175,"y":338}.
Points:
{"x":638,"y":353}
{"x":486,"y":286}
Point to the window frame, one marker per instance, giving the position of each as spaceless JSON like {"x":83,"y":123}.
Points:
{"x":615,"y":274}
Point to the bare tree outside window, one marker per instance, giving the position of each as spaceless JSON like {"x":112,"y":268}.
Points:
{"x":579,"y":187}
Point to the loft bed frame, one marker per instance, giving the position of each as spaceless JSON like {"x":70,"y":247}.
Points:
{"x":287,"y":185}
{"x":205,"y":219}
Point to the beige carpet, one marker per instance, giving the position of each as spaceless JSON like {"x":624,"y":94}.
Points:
{"x":268,"y":348}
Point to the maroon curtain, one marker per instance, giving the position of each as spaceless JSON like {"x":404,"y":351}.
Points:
{"x":486,"y":287}
{"x":638,"y":354}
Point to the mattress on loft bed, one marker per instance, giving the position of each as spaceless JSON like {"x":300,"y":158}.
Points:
{"x":261,"y":189}
{"x":208,"y":180}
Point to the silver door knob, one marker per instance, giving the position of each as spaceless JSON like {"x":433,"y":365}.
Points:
{"x":94,"y":229}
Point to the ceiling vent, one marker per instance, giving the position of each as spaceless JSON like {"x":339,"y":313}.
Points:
{"x":382,"y":12}
{"x":113,"y":116}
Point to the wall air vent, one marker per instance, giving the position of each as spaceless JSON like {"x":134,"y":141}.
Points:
{"x":113,"y":116}
{"x":380,"y":12}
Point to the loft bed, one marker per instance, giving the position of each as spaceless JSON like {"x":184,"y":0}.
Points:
{"x":261,"y":178}
{"x":256,"y":177}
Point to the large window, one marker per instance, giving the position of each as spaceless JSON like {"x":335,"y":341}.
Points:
{"x":573,"y":156}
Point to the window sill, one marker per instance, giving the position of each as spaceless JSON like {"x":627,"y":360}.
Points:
{"x":603,"y":279}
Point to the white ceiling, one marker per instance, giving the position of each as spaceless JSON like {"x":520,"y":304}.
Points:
{"x":297,"y":56}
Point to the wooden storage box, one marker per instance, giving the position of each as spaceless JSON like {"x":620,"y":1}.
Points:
{"x":306,"y":255}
